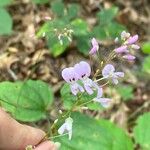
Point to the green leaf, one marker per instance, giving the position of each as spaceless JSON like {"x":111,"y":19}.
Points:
{"x":56,"y":48}
{"x":92,"y":134}
{"x":5,"y":22}
{"x":40,"y":1}
{"x":146,"y":48}
{"x":73,"y":10}
{"x":142,"y":131}
{"x":58,"y":7}
{"x":80,"y":27}
{"x":146,"y":64}
{"x":27,"y":101}
{"x":83,"y":44}
{"x":69,"y":99}
{"x":125,"y":91}
{"x":107,"y":15}
{"x":4,"y":3}
{"x":109,"y":31}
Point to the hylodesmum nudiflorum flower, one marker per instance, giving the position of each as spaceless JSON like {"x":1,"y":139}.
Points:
{"x":109,"y":72}
{"x":83,"y":70}
{"x":66,"y":127}
{"x":71,"y":77}
{"x":95,"y":46}
{"x":128,"y":45}
{"x":105,"y":102}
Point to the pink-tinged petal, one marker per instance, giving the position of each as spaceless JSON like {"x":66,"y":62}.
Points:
{"x":115,"y":80}
{"x":132,"y":39}
{"x":93,"y":50}
{"x":94,"y":42}
{"x":107,"y":70}
{"x":88,"y":89}
{"x":69,"y":74}
{"x":95,"y":46}
{"x":129,"y":57}
{"x":82,"y":69}
{"x":121,"y":49}
{"x":119,"y":74}
{"x":134,"y":46}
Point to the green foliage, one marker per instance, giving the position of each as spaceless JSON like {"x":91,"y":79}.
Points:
{"x":40,"y":1}
{"x":125,"y":91}
{"x":146,"y":48}
{"x":69,"y":99}
{"x":26,"y":101}
{"x":94,"y":134}
{"x":146,"y":65}
{"x":5,"y":22}
{"x":4,"y":3}
{"x":142,"y":131}
{"x":107,"y":27}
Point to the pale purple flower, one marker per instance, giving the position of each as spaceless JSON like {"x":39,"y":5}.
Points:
{"x":109,"y":72}
{"x":129,"y":57}
{"x":95,"y":46}
{"x":132,"y":39}
{"x":105,"y":102}
{"x":121,"y":49}
{"x":71,"y":77}
{"x":66,"y":127}
{"x":83,"y":70}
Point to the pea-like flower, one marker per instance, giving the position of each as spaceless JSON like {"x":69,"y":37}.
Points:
{"x":66,"y":127}
{"x":83,"y":70}
{"x":71,"y":77}
{"x":95,"y":46}
{"x":109,"y":72}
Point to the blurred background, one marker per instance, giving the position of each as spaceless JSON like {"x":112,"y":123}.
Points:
{"x":38,"y":38}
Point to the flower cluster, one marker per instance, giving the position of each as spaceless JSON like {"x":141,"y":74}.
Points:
{"x":79,"y":79}
{"x":128,"y":46}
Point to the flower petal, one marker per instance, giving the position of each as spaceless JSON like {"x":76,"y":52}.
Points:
{"x":129,"y":57}
{"x":119,"y":74}
{"x":69,"y":74}
{"x":132,"y":39}
{"x":82,"y":69}
{"x":115,"y":80}
{"x":121,"y":49}
{"x":62,"y":129}
{"x":107,"y":70}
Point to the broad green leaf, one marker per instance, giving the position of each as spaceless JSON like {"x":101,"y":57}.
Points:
{"x":83,"y":44}
{"x":40,"y":1}
{"x":91,"y":134}
{"x":107,"y":15}
{"x":100,"y":32}
{"x":125,"y":91}
{"x":5,"y":22}
{"x":114,"y":29}
{"x":56,"y":48}
{"x":58,"y":7}
{"x":27,"y":101}
{"x":142,"y":131}
{"x":80,"y":27}
{"x":73,"y":10}
{"x":5,"y":2}
{"x":146,"y":64}
{"x":69,"y":99}
{"x":146,"y":48}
